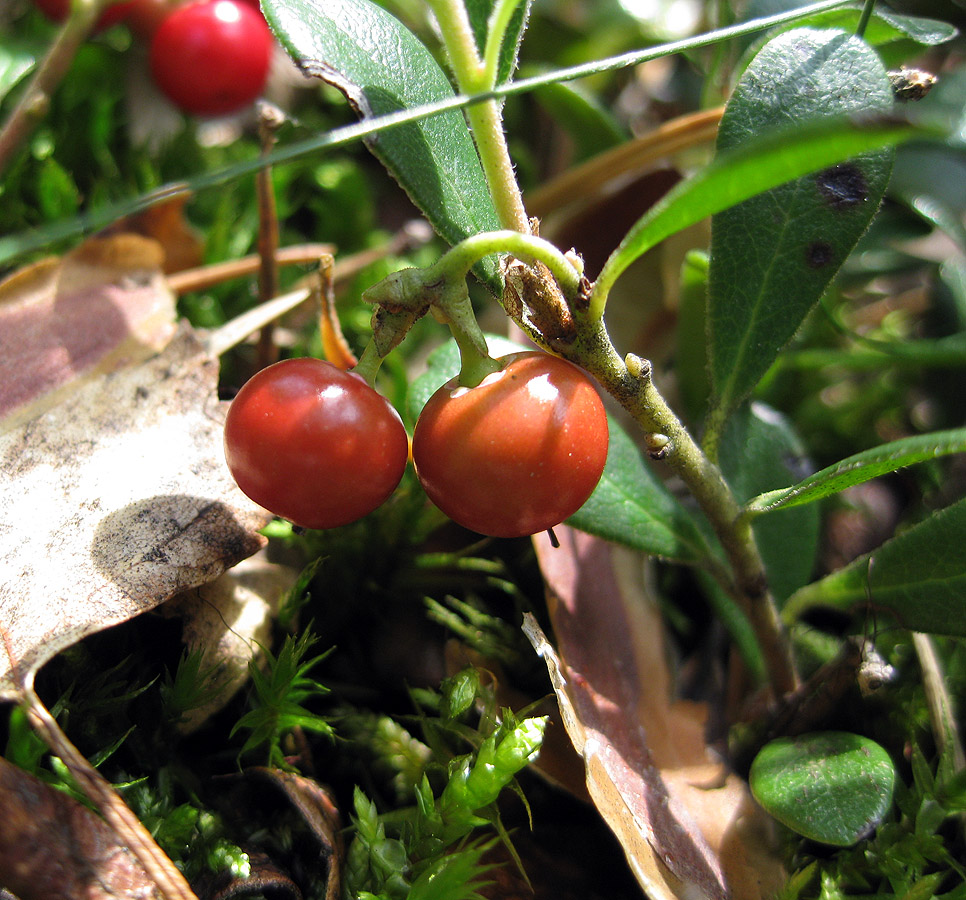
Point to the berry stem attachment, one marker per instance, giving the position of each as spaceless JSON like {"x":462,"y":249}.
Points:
{"x":474,"y":365}
{"x":457,"y":261}
{"x":369,"y":363}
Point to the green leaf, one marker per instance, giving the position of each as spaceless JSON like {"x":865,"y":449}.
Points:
{"x":773,"y":256}
{"x":632,"y":507}
{"x":919,"y":576}
{"x":17,"y":58}
{"x":691,"y":353}
{"x":862,"y":467}
{"x":775,"y":157}
{"x":759,"y":447}
{"x":833,"y":787}
{"x":12,"y":246}
{"x":885,"y":26}
{"x":383,"y":68}
{"x":479,"y":12}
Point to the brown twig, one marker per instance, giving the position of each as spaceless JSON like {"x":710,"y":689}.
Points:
{"x":207,"y":276}
{"x":334,"y":345}
{"x":170,"y":882}
{"x":239,"y":328}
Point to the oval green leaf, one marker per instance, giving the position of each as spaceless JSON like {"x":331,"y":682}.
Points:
{"x":775,"y":157}
{"x":833,"y":787}
{"x":861,"y":467}
{"x":17,"y":58}
{"x":383,"y":68}
{"x":773,"y":256}
{"x":919,"y":577}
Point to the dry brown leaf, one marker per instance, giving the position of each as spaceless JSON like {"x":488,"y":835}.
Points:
{"x":100,"y":307}
{"x":53,"y":848}
{"x":688,"y":826}
{"x":228,"y":621}
{"x":114,"y":502}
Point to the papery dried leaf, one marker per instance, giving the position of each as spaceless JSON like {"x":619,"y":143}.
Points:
{"x":684,"y":821}
{"x":53,"y":848}
{"x":102,"y":306}
{"x":114,"y":502}
{"x":228,"y":621}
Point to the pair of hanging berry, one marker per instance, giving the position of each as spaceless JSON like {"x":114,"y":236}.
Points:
{"x":515,"y":455}
{"x":209,"y":57}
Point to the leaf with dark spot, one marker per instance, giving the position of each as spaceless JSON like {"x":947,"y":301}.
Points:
{"x":773,"y":256}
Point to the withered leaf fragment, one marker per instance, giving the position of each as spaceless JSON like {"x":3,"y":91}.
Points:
{"x":53,"y":848}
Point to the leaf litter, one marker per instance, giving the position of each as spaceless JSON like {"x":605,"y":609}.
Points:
{"x":688,"y":826}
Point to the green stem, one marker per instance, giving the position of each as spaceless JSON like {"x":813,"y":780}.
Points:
{"x":864,"y":18}
{"x":474,"y":365}
{"x":35,"y":99}
{"x":485,"y":120}
{"x":631,"y":384}
{"x":369,"y":363}
{"x":456,"y":263}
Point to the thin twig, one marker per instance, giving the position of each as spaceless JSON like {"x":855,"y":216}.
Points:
{"x":942,"y":714}
{"x":238,"y":329}
{"x":207,"y":276}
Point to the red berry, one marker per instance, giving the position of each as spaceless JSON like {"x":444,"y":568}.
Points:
{"x":211,"y":57}
{"x":57,"y":10}
{"x":314,"y":444}
{"x":519,"y":453}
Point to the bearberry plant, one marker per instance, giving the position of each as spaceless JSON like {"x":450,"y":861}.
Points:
{"x":729,"y":341}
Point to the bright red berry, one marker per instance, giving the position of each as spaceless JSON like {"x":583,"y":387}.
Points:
{"x":211,"y":57}
{"x":314,"y":444}
{"x":519,"y":453}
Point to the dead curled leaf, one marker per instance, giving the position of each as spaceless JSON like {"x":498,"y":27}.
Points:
{"x":53,"y":847}
{"x":114,"y":493}
{"x":688,"y":826}
{"x":228,"y":621}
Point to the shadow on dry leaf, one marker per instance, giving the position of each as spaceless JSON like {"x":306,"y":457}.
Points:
{"x":688,"y":826}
